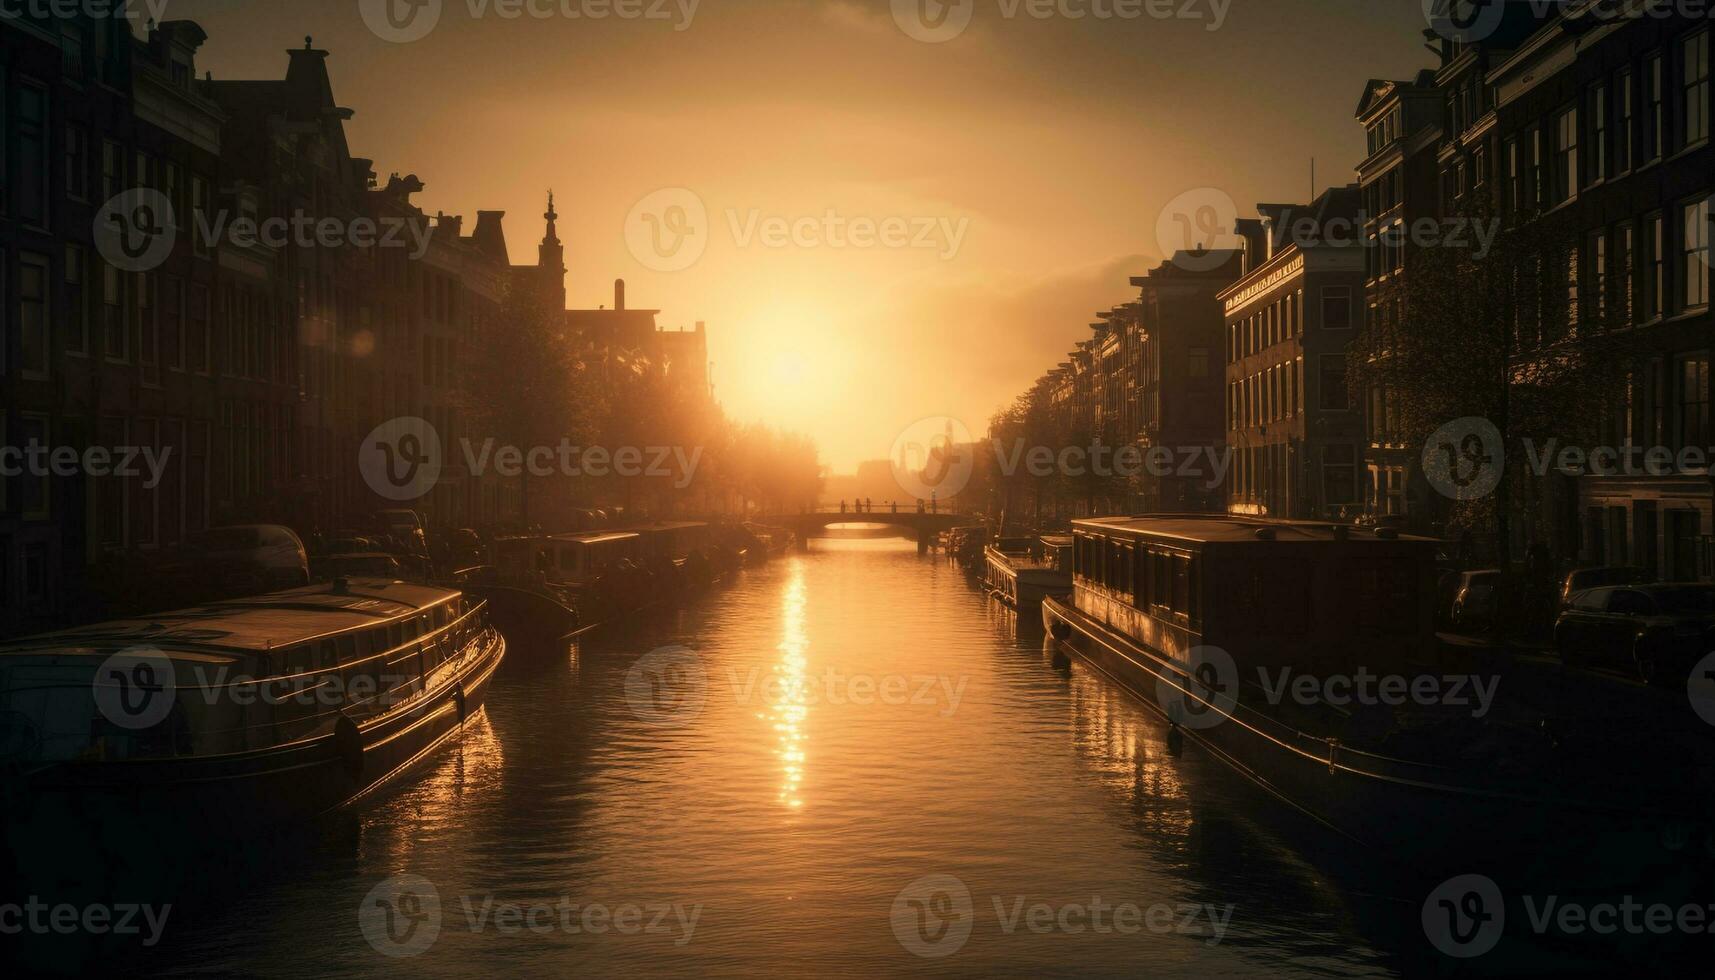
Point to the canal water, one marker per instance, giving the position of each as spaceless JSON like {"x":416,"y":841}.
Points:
{"x":849,"y":762}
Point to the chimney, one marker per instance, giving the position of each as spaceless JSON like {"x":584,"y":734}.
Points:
{"x":488,"y":235}
{"x":619,"y":294}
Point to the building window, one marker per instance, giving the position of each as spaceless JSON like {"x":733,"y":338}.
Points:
{"x":35,"y":487}
{"x":1566,"y":156}
{"x":33,"y":339}
{"x":1515,"y":177}
{"x":1538,"y":170}
{"x":148,"y":330}
{"x":1655,"y":114}
{"x":1197,"y":362}
{"x":197,"y":318}
{"x":172,"y":315}
{"x":1655,"y":267}
{"x":32,"y":155}
{"x":1331,"y":380}
{"x":199,"y":215}
{"x":1599,"y":283}
{"x":1625,"y":255}
{"x":1625,"y":130}
{"x":1571,"y":291}
{"x":1340,"y":473}
{"x":1693,"y":396}
{"x":1336,"y":307}
{"x":76,"y":300}
{"x":114,"y":330}
{"x":73,"y":41}
{"x":77,"y":163}
{"x":1598,"y":133}
{"x":1695,"y":267}
{"x":112,"y":169}
{"x":1696,"y":91}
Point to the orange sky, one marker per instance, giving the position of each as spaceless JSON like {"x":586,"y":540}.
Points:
{"x":1045,"y":147}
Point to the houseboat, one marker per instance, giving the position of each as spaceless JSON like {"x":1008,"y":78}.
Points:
{"x":1204,"y":617}
{"x":1021,"y":572}
{"x":544,"y":588}
{"x":235,"y":715}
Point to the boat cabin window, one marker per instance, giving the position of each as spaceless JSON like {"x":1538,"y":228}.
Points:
{"x":1269,"y":595}
{"x":1382,"y":593}
{"x":294,"y":660}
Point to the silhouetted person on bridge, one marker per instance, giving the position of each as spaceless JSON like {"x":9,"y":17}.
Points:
{"x":842,"y":507}
{"x":896,"y":506}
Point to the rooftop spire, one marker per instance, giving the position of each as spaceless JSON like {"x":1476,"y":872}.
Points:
{"x":552,"y":237}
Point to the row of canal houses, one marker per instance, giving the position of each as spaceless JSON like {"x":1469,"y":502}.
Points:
{"x":1594,"y":113}
{"x":253,"y":368}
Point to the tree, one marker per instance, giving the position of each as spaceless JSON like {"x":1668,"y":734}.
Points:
{"x":523,"y":386}
{"x":1512,"y":335}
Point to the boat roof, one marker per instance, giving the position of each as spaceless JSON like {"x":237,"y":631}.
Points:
{"x":593,"y":537}
{"x":255,"y":623}
{"x":1231,"y":528}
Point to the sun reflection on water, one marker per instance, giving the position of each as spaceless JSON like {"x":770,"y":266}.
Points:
{"x":790,"y":709}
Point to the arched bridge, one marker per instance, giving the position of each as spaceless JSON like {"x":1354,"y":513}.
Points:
{"x":924,"y":525}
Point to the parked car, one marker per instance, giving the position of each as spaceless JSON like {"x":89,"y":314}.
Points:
{"x":1482,"y":599}
{"x":254,"y":557}
{"x":1580,"y":579}
{"x":404,"y":526}
{"x":362,"y":564}
{"x":1655,"y":630}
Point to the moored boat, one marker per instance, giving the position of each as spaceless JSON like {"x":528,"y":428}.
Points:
{"x":1200,"y":615}
{"x":1021,"y":572}
{"x":237,"y":715}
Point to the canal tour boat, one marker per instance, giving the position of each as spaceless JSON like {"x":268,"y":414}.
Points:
{"x":235,"y":715}
{"x":1021,"y":572}
{"x":1205,"y":616}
